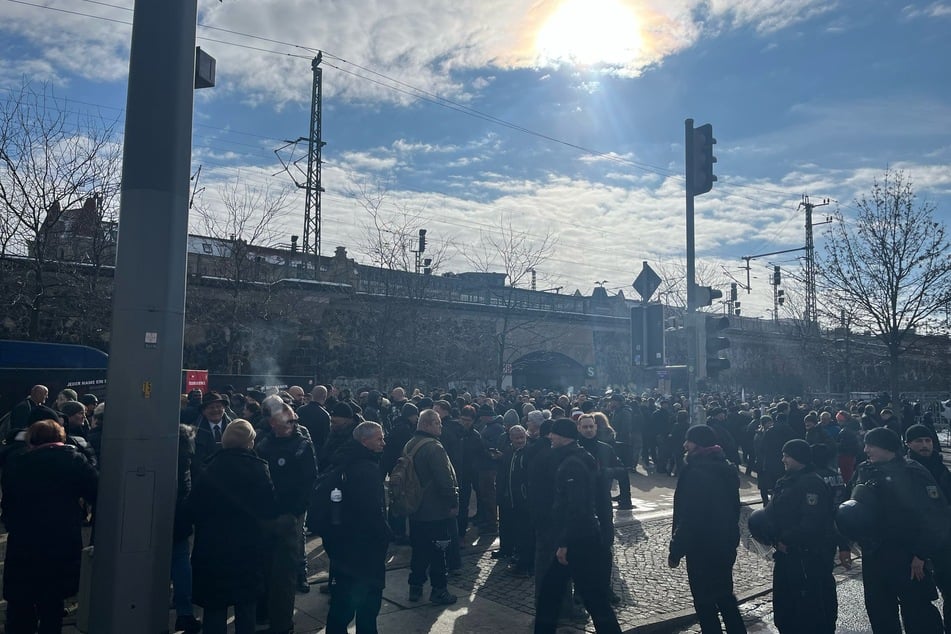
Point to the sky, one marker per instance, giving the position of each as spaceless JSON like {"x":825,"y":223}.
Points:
{"x":559,"y":118}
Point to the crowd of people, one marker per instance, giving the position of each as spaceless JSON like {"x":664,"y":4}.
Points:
{"x":262,"y":472}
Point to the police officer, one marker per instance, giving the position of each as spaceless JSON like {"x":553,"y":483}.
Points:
{"x":579,"y":553}
{"x":921,"y":448}
{"x":910,"y":525}
{"x":802,"y":512}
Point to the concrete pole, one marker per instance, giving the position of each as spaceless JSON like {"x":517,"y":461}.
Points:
{"x":140,"y":436}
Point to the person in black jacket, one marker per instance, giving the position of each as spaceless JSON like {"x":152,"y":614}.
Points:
{"x":290,"y":458}
{"x":229,"y":507}
{"x":42,"y":488}
{"x":579,"y":553}
{"x":360,"y":555}
{"x":402,"y":429}
{"x":182,"y":529}
{"x":607,"y":464}
{"x":910,"y":527}
{"x":770,"y":456}
{"x":920,"y":444}
{"x":803,"y":513}
{"x":706,"y":530}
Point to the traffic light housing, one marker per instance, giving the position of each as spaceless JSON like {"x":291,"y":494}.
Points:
{"x":777,"y":276}
{"x":714,"y":343}
{"x":780,"y":297}
{"x":422,"y":241}
{"x":703,"y":159}
{"x":733,"y":293}
{"x":706,"y":294}
{"x":649,"y":351}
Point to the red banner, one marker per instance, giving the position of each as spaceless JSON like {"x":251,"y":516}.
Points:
{"x":196,"y":380}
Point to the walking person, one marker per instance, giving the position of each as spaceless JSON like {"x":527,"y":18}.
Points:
{"x":706,"y":530}
{"x":579,"y":553}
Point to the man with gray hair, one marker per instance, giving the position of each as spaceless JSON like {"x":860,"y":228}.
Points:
{"x":359,"y":554}
{"x":430,"y":527}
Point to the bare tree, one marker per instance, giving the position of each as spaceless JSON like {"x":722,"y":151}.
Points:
{"x":245,"y":223}
{"x":891,"y":261}
{"x":519,"y":256}
{"x":52,"y":161}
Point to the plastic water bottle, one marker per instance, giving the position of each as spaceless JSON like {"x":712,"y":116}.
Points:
{"x":336,"y":507}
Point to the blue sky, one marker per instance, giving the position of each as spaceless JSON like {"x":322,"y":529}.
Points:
{"x":812,"y":97}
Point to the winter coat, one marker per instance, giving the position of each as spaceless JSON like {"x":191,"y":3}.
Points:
{"x":770,"y":456}
{"x":706,"y":505}
{"x":802,"y":511}
{"x":335,"y":440}
{"x":41,"y":492}
{"x":400,"y":432}
{"x":293,"y":469}
{"x":436,"y":478}
{"x":361,"y":552}
{"x":229,"y":506}
{"x":186,"y":453}
{"x":574,"y":496}
{"x":316,"y":419}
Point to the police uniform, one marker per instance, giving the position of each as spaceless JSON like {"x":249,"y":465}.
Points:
{"x":911,"y":521}
{"x":802,"y":512}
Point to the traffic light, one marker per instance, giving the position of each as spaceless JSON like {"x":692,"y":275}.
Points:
{"x":706,"y":294}
{"x":703,"y":159}
{"x":777,"y":276}
{"x":736,"y":308}
{"x":422,"y":241}
{"x":781,"y":297}
{"x":649,"y":351}
{"x":714,"y":343}
{"x":733,"y":292}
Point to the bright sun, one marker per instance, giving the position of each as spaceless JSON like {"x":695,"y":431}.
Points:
{"x":590,"y":32}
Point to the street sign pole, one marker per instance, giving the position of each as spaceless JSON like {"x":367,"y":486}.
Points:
{"x":137,"y":488}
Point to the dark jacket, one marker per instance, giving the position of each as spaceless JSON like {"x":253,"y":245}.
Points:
{"x":706,"y":505}
{"x":401,"y":430}
{"x":41,"y":511}
{"x":912,"y":514}
{"x":335,"y":440}
{"x":935,"y":466}
{"x":316,"y":419}
{"x":361,"y":553}
{"x":229,"y":506}
{"x":186,"y":453}
{"x":573,"y":501}
{"x":472,"y":453}
{"x":205,"y":445}
{"x":803,"y":513}
{"x":20,"y":414}
{"x":608,"y":465}
{"x":436,"y":477}
{"x":770,"y":455}
{"x":293,"y":470}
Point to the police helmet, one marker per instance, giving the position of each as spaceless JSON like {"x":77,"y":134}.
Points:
{"x":762,"y":528}
{"x":855,"y":519}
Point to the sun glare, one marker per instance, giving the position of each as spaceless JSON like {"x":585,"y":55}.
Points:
{"x":590,"y":32}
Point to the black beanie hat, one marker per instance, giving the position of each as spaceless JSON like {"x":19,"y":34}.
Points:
{"x":917,"y":431}
{"x":341,"y":410}
{"x":566,"y":428}
{"x":702,"y":435}
{"x":799,"y":450}
{"x":884,"y":438}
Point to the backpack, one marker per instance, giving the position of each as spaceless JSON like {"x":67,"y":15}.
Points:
{"x":321,"y":515}
{"x":405,"y":491}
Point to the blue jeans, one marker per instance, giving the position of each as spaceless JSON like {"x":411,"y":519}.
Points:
{"x":181,"y":578}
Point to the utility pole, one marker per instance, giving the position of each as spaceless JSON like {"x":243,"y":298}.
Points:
{"x":812,"y":303}
{"x":138,"y":478}
{"x":313,"y":188}
{"x":312,"y":185}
